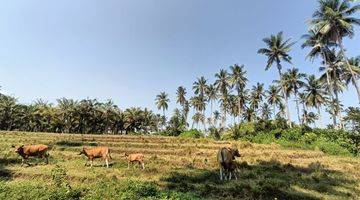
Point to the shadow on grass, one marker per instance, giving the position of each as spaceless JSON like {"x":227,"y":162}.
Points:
{"x":6,"y":174}
{"x":75,"y":143}
{"x":266,"y":180}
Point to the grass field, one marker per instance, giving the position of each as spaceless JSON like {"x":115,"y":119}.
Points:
{"x":176,"y":168}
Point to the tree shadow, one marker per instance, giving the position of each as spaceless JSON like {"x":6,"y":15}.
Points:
{"x":265,"y":180}
{"x":5,"y":173}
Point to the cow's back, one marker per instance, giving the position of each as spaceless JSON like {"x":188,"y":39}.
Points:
{"x":33,"y":150}
{"x":98,"y":152}
{"x":224,"y":156}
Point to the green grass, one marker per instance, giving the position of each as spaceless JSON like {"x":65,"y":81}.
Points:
{"x":176,"y":168}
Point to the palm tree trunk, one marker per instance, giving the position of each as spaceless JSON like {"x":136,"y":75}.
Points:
{"x":274,"y":110}
{"x":350,"y":70}
{"x":338,"y":112}
{"x":304,"y":120}
{"x":239,"y":109}
{"x":286,"y":100}
{"x":297,"y":106}
{"x":211,"y":115}
{"x":320,"y":119}
{"x":331,"y":89}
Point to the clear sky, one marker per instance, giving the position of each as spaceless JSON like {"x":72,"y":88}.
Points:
{"x":130,"y":50}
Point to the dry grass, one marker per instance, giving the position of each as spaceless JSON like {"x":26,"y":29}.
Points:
{"x":189,"y":165}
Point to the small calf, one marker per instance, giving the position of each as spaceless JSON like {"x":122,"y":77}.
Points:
{"x":233,"y":169}
{"x":96,"y":152}
{"x":132,"y":158}
{"x":39,"y":151}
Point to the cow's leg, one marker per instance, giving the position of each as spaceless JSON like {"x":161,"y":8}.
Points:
{"x":45,"y":157}
{"x":22,"y":162}
{"x":129,"y":165}
{"x":221,"y":174}
{"x":91,"y":162}
{"x":107,"y":162}
{"x":143,"y":165}
{"x":229,"y":175}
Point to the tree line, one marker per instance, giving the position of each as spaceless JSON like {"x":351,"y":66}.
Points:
{"x":331,"y":23}
{"x":71,"y":116}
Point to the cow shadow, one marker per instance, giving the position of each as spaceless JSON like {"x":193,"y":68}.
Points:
{"x":265,"y":180}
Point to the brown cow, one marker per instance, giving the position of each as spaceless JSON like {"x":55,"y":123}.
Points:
{"x":139,"y":158}
{"x":39,"y":151}
{"x":226,"y":157}
{"x":96,"y":152}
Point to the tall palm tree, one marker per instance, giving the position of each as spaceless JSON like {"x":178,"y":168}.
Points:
{"x":162,"y":102}
{"x":319,"y":47}
{"x":273,"y":97}
{"x":200,"y":86}
{"x":294,"y":81}
{"x":315,"y":94}
{"x":238,"y":80}
{"x":256,"y":96}
{"x":181,"y":95}
{"x":335,"y":71}
{"x":222,"y":85}
{"x":211,"y":94}
{"x":335,"y":21}
{"x":277,"y":50}
{"x":181,"y":99}
{"x":185,"y":111}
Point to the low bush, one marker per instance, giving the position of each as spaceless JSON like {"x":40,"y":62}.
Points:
{"x":193,"y":133}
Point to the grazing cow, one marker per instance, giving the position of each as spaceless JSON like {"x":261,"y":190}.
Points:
{"x":96,"y":152}
{"x":226,"y":157}
{"x":132,"y":158}
{"x":39,"y":151}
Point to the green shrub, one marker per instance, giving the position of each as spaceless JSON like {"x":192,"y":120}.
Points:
{"x":193,"y":133}
{"x":309,"y":138}
{"x":293,"y":134}
{"x":331,"y":148}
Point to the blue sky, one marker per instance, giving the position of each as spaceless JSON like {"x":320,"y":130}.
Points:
{"x":130,"y":50}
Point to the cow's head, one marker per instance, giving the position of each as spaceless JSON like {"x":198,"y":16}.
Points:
{"x":82,"y":151}
{"x":235,"y":151}
{"x":126,"y":154}
{"x":18,"y":149}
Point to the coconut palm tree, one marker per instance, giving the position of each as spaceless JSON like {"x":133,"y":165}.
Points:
{"x":335,"y":20}
{"x":181,"y":95}
{"x":256,"y":96}
{"x":200,"y":86}
{"x":277,"y":50}
{"x":309,"y":117}
{"x":315,"y":94}
{"x":162,"y":102}
{"x":222,"y":85}
{"x":265,"y":111}
{"x":238,"y":81}
{"x":294,"y":82}
{"x":273,"y":97}
{"x":198,"y":117}
{"x":211,"y":94}
{"x":217,"y":116}
{"x":334,"y":71}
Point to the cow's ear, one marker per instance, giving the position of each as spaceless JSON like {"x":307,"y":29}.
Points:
{"x":12,"y":146}
{"x":21,"y":146}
